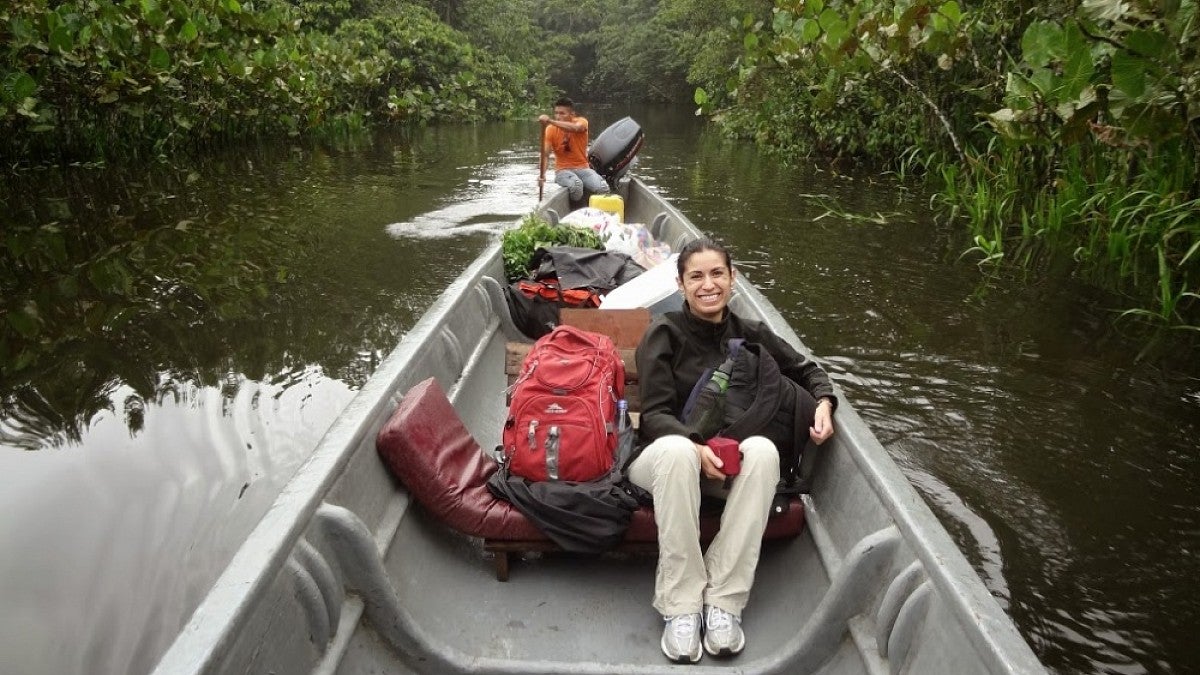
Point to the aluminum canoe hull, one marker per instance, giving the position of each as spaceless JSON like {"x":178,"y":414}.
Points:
{"x":345,"y":574}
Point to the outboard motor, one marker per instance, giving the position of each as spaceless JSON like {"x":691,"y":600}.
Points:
{"x":612,"y":153}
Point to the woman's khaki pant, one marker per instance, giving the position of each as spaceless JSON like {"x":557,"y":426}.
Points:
{"x":686,"y":579}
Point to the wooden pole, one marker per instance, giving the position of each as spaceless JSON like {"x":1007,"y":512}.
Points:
{"x":542,"y":162}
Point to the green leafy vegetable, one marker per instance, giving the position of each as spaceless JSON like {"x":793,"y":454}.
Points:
{"x":519,"y":243}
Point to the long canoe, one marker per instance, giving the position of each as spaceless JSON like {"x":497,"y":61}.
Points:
{"x":345,"y":574}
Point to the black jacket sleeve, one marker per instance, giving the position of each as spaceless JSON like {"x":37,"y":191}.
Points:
{"x":657,"y":374}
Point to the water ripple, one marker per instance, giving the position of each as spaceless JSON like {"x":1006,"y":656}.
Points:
{"x":489,"y":204}
{"x":157,"y":514}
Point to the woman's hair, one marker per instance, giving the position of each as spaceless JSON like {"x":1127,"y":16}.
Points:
{"x":696,"y":246}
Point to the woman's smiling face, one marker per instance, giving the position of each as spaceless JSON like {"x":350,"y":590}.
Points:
{"x":707,"y":282}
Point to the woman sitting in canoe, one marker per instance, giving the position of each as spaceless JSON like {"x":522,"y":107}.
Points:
{"x":704,"y":594}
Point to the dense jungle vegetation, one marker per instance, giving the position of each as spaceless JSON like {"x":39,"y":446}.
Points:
{"x":1057,"y":129}
{"x":103,"y":78}
{"x":1064,"y":127}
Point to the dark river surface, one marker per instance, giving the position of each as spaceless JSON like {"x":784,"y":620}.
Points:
{"x":154,"y":422}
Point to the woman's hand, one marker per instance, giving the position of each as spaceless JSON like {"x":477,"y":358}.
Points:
{"x":710,"y":464}
{"x":822,"y":427}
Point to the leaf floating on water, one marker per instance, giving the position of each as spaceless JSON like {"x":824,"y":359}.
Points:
{"x":878,"y":218}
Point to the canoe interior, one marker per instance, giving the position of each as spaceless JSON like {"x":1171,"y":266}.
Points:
{"x":346,"y":575}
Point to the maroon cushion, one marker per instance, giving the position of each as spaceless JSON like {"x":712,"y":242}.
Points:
{"x":426,"y":446}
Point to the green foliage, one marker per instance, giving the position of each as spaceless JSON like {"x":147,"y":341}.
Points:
{"x":430,"y":70}
{"x":1101,"y":115}
{"x":641,"y":54}
{"x":90,"y":79}
{"x":699,"y":32}
{"x":591,"y":49}
{"x":1133,"y":69}
{"x":571,"y":27}
{"x":519,"y":243}
{"x":645,"y":49}
{"x":841,"y":78}
{"x":509,"y":28}
{"x":1091,"y":133}
{"x":99,"y":73}
{"x":327,"y":15}
{"x":98,"y":78}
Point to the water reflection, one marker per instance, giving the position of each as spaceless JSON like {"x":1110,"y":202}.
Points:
{"x":113,"y":542}
{"x":165,"y":430}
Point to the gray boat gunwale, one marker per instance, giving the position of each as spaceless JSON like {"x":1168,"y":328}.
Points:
{"x":247,"y":580}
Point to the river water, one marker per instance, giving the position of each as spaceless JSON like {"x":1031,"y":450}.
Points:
{"x":165,"y":400}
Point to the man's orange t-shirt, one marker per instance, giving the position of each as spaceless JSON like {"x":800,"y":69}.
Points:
{"x":570,"y":147}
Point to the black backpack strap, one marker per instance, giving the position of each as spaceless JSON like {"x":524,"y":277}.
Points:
{"x":694,"y":397}
{"x":802,"y":456}
{"x":795,"y":465}
{"x":766,"y":396}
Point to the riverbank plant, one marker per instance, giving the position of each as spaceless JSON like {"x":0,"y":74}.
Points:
{"x":1073,"y":127}
{"x":96,"y":79}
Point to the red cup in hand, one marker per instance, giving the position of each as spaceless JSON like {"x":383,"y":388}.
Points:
{"x":727,"y":450}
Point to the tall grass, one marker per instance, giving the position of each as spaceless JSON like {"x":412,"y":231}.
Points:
{"x":1130,"y":219}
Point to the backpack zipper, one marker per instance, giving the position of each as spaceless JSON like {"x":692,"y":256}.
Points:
{"x":508,"y":391}
{"x":533,"y":425}
{"x":552,"y":454}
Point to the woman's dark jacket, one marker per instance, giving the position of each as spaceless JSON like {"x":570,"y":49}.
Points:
{"x":677,"y":348}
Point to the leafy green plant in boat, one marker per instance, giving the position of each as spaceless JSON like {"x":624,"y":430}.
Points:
{"x":519,"y":243}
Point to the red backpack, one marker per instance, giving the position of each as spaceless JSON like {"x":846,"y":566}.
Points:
{"x":562,"y":416}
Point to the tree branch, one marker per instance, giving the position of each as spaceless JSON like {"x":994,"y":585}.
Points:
{"x":1104,"y":38}
{"x":936,"y":110}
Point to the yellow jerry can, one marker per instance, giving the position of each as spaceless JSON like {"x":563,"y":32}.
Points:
{"x":610,"y":203}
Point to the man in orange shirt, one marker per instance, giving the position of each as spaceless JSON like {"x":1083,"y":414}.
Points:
{"x":566,"y":135}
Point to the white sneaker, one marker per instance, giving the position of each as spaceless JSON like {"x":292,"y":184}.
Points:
{"x":723,"y":634}
{"x":681,"y":638}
